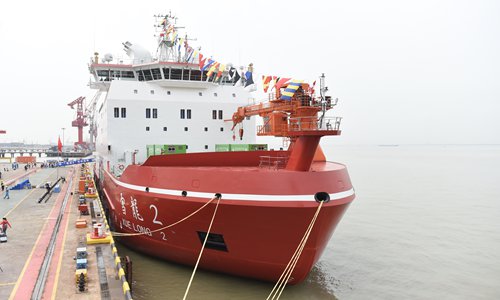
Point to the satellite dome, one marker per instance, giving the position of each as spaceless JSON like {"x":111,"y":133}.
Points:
{"x":108,"y":57}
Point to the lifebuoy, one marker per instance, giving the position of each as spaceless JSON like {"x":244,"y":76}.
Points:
{"x":121,"y":167}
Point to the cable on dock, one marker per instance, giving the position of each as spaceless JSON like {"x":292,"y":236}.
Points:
{"x":49,"y":191}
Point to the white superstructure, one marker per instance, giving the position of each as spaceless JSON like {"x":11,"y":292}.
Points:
{"x":162,"y":103}
{"x":170,"y":99}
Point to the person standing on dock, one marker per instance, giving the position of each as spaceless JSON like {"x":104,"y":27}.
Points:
{"x":6,"y":196}
{"x":4,"y":224}
{"x":3,"y":186}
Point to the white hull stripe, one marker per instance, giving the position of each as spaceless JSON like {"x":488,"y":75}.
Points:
{"x":247,"y":197}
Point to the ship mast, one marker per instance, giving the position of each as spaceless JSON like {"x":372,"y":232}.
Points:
{"x":169,"y":39}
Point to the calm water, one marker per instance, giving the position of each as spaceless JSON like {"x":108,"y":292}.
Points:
{"x":425,"y":225}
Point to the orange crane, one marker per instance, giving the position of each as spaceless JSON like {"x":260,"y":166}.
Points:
{"x":79,"y":122}
{"x":296,"y":119}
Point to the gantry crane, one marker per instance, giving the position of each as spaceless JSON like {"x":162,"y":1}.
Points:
{"x":79,"y":122}
{"x":90,"y":114}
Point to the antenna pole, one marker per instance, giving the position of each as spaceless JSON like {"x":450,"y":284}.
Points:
{"x":322,"y":90}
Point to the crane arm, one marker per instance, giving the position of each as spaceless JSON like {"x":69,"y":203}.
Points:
{"x":76,"y":101}
{"x":263,"y":109}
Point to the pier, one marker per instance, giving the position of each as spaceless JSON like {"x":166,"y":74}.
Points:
{"x":46,"y":250}
{"x":12,"y":150}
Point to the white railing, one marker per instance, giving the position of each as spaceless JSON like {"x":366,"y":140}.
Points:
{"x":313,"y":123}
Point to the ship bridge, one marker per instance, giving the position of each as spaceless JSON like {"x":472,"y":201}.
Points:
{"x":167,"y":74}
{"x":177,"y":64}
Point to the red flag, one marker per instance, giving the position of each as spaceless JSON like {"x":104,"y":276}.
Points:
{"x":265,"y":82}
{"x":312,"y":88}
{"x":201,"y":61}
{"x":281,"y":82}
{"x":59,"y":145}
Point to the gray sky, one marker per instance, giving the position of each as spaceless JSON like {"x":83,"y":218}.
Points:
{"x":406,"y":72}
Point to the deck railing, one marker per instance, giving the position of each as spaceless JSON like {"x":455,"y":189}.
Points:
{"x":313,"y":123}
{"x":302,"y":124}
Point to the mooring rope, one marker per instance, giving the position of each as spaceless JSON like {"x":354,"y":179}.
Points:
{"x":165,"y":227}
{"x":287,"y":273}
{"x":202,"y":247}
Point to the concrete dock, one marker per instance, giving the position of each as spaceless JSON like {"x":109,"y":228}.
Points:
{"x":39,"y":259}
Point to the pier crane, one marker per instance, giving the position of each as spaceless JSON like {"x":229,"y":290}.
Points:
{"x":301,"y":119}
{"x":79,"y":122}
{"x":90,"y":114}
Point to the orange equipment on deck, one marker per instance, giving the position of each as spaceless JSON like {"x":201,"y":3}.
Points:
{"x":84,"y":209}
{"x":296,"y":119}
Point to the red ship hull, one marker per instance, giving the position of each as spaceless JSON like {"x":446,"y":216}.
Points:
{"x":261,"y":218}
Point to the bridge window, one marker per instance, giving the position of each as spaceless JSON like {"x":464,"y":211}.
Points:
{"x":185,"y":74}
{"x":117,"y":112}
{"x":127,"y":74}
{"x":156,"y":73}
{"x":155,"y":113}
{"x":103,"y":75}
{"x":220,"y":114}
{"x":140,"y":75}
{"x":148,"y":113}
{"x":147,"y":75}
{"x":114,"y":74}
{"x":195,"y":75}
{"x":214,"y":114}
{"x":204,"y":75}
{"x":183,"y":113}
{"x":166,"y":73}
{"x":175,"y":74}
{"x":188,"y":114}
{"x":124,"y":112}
